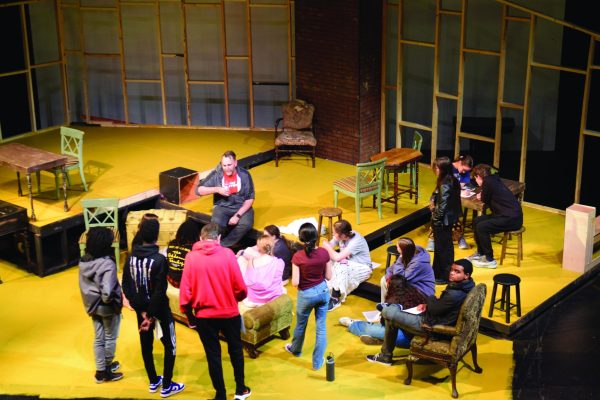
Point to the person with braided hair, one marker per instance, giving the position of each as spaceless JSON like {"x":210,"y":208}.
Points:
{"x":311,"y":268}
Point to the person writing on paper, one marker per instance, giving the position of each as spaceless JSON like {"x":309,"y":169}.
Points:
{"x":442,"y":311}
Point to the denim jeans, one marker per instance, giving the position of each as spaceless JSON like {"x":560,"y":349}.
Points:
{"x":395,"y":320}
{"x":317,"y":298}
{"x":377,"y":331}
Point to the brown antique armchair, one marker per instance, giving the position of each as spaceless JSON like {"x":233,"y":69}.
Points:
{"x":447,"y":345}
{"x":295,"y":131}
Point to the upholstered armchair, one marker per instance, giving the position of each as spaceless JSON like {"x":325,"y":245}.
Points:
{"x":447,"y":345}
{"x":295,"y":131}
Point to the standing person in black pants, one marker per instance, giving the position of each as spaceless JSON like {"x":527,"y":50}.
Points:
{"x":145,"y":285}
{"x":445,"y":211}
{"x":211,"y":287}
{"x":507,"y":214}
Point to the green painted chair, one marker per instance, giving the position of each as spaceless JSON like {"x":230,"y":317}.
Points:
{"x":417,"y":142}
{"x":104,"y":213}
{"x":71,"y":145}
{"x":366,"y":183}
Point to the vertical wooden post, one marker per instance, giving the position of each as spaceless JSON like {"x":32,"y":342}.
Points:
{"x":30,"y":96}
{"x":526,"y":99}
{"x":122,"y":59}
{"x":461,"y":78}
{"x":161,"y":61}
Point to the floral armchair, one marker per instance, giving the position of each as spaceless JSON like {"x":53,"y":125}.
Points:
{"x":295,"y":131}
{"x":447,"y":345}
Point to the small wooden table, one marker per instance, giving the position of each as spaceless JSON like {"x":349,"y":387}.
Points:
{"x":397,"y":160}
{"x":27,"y":159}
{"x":517,"y":188}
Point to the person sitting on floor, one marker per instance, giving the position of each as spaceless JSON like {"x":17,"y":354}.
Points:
{"x":442,"y":311}
{"x":506,"y":215}
{"x":352,"y":264}
{"x":262,"y":276}
{"x":187,"y":234}
{"x":414,"y":264}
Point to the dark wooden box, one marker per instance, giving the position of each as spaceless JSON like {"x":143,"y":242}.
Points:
{"x":178,"y":185}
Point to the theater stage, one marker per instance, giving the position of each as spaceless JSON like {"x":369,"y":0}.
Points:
{"x":49,"y":338}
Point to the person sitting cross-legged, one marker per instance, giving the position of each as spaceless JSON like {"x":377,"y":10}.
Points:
{"x":434,"y":311}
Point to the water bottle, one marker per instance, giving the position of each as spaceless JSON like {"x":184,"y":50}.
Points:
{"x":330,"y":367}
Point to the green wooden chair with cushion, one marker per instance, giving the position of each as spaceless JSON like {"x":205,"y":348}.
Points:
{"x":447,"y":345}
{"x":366,"y":183}
{"x":71,"y":145}
{"x":417,"y":143}
{"x":105,"y":213}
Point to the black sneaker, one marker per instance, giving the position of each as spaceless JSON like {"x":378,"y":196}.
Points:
{"x":114,"y":366}
{"x":99,"y":376}
{"x":244,"y":394}
{"x":380,"y":358}
{"x":110,"y":376}
{"x":333,"y":304}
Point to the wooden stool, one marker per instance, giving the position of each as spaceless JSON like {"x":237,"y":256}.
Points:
{"x":328,"y":212}
{"x":506,"y":281}
{"x":507,"y":236}
{"x":391,"y":251}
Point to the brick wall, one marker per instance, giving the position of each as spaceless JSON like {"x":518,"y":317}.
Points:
{"x":338,"y":69}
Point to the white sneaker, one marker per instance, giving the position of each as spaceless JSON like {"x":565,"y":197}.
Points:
{"x":462,"y":243}
{"x":475,"y":256}
{"x":430,"y":245}
{"x":346,"y":321}
{"x":484,"y":263}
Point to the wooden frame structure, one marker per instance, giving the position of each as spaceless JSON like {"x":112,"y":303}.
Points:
{"x":501,"y":104}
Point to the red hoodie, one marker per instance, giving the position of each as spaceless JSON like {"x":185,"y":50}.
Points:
{"x":212,"y":283}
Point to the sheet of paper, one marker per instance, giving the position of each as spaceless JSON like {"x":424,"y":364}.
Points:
{"x":372,"y":316}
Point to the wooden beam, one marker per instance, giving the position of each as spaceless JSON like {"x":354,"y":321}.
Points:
{"x":525,"y":131}
{"x":461,"y":79}
{"x":474,"y":136}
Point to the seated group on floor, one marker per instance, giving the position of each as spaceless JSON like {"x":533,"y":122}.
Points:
{"x":215,"y":289}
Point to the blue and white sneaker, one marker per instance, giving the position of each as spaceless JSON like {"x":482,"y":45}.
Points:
{"x":173,"y":388}
{"x":153,"y":387}
{"x":476,"y":256}
{"x":485,"y":263}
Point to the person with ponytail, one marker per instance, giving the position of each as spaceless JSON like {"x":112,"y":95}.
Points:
{"x":311,"y":268}
{"x":262,"y":275}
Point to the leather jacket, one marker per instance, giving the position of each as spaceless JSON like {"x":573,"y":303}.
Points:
{"x":446,"y":200}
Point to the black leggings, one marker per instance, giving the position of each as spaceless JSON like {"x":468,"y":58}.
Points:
{"x":168,"y":340}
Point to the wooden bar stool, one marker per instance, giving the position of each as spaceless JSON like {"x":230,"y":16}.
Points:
{"x":506,"y":281}
{"x":507,"y":236}
{"x":329,"y":212}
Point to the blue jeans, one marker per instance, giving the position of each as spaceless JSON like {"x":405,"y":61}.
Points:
{"x":377,"y":331}
{"x":395,"y":320}
{"x":317,"y":298}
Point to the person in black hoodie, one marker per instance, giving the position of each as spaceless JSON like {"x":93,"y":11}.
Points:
{"x":442,"y":311}
{"x":101,"y":294}
{"x":145,"y":286}
{"x":445,"y":211}
{"x":507,"y":214}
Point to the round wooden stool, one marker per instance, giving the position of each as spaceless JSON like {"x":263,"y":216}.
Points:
{"x":506,"y":281}
{"x":329,"y":212}
{"x":507,"y":236}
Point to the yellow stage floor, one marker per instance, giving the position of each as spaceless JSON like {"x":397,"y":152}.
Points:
{"x":45,"y":340}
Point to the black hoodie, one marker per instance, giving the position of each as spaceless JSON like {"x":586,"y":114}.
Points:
{"x":145,"y":281}
{"x":444,"y":311}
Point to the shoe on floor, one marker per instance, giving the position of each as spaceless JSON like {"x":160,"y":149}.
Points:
{"x":367,"y":339}
{"x":379,"y":358}
{"x":333,"y":304}
{"x":172,"y":389}
{"x":430,"y":245}
{"x":288,"y":348}
{"x":475,"y":256}
{"x":244,"y":394}
{"x":462,"y":243}
{"x":346,"y":321}
{"x":114,"y":366}
{"x":485,"y":263}
{"x":107,"y":376}
{"x":153,"y":387}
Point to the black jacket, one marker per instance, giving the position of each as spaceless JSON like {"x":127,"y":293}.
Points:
{"x":145,"y":281}
{"x":498,"y":198}
{"x":444,"y":311}
{"x":447,"y":203}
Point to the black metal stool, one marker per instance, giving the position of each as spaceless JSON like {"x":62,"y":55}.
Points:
{"x":506,"y":281}
{"x":391,"y":251}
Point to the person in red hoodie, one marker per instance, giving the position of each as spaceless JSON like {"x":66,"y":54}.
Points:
{"x":211,"y":287}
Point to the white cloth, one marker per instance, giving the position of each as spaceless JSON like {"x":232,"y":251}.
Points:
{"x":346,"y":277}
{"x":293,"y":227}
